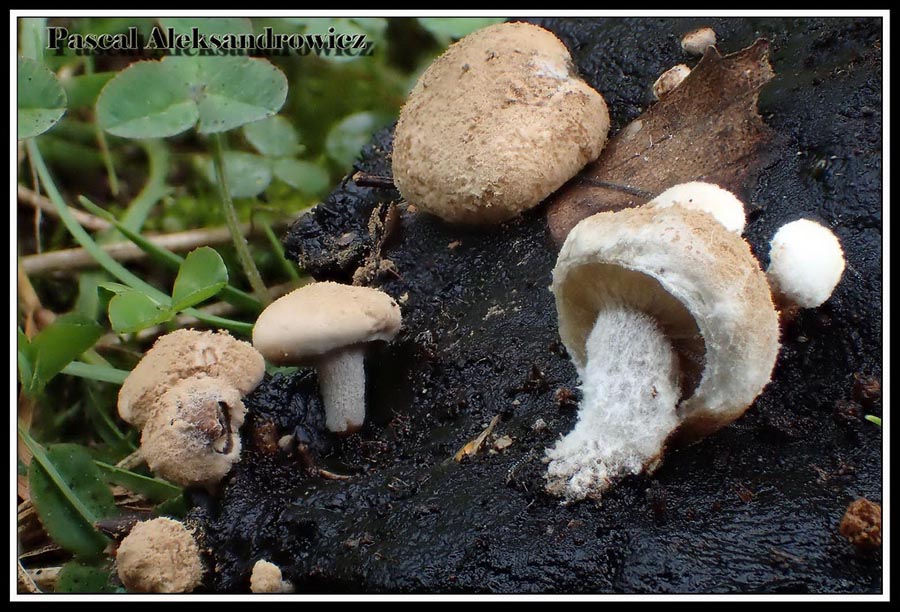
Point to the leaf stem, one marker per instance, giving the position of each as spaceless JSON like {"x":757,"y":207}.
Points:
{"x":231,"y":220}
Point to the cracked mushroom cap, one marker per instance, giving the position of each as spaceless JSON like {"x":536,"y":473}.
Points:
{"x":184,"y":353}
{"x":159,"y":556}
{"x":322,"y":317}
{"x":192,"y":437}
{"x":495,"y":125}
{"x":701,"y":284}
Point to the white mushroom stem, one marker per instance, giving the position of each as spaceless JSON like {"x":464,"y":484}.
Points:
{"x":342,"y":379}
{"x":630,"y":391}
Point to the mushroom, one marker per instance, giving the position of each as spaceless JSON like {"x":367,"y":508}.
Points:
{"x":159,"y":556}
{"x":181,"y":354}
{"x":495,"y":125}
{"x":670,"y":324}
{"x":806,"y":263}
{"x":266,"y":578}
{"x":328,"y":324}
{"x":192,"y":436}
{"x":720,"y":203}
{"x":669,"y":80}
{"x":696,"y":42}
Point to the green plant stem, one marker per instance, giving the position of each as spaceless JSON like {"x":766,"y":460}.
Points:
{"x":96,"y":372}
{"x":154,"y":189}
{"x":171,"y":260}
{"x":276,"y":246}
{"x":231,"y":220}
{"x":103,"y":259}
{"x":102,"y":142}
{"x":38,"y":454}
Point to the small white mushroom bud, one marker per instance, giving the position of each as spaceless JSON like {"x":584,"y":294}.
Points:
{"x":806,"y":263}
{"x":266,"y":578}
{"x":328,"y":325}
{"x":696,"y":42}
{"x":159,"y":556}
{"x":183,"y":353}
{"x":670,"y":323}
{"x":720,"y":203}
{"x":669,"y":80}
{"x":192,"y":438}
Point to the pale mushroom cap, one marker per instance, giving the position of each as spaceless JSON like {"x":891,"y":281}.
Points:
{"x":322,"y":317}
{"x":670,"y":79}
{"x":697,"y":41}
{"x":159,"y":556}
{"x":192,"y":436}
{"x":720,"y":203}
{"x":184,"y":353}
{"x":495,"y":125}
{"x":701,"y":284}
{"x":806,"y":263}
{"x":266,"y":578}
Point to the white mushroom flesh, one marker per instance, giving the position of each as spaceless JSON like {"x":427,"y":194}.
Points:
{"x":342,"y":380}
{"x":696,"y":195}
{"x":629,"y":393}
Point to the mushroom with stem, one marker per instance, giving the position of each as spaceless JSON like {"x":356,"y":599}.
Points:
{"x":670,"y":323}
{"x":328,"y":324}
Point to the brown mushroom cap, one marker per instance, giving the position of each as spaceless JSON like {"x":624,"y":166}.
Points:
{"x":322,"y":317}
{"x":181,"y":354}
{"x":192,"y":435}
{"x":159,"y":556}
{"x":699,"y":281}
{"x":495,"y":125}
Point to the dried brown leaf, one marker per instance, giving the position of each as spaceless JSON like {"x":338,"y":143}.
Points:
{"x":707,"y":129}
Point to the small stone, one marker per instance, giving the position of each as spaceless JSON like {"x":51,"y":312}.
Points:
{"x":502,"y":443}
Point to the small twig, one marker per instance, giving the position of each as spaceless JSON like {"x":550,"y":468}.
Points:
{"x":473,"y":446}
{"x":131,"y":461}
{"x":73,"y":259}
{"x":41,"y":203}
{"x":364,"y":179}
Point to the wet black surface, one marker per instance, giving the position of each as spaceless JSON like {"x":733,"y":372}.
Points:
{"x":754,"y":508}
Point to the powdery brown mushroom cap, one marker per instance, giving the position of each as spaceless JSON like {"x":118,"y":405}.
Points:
{"x":495,"y":125}
{"x":184,"y":353}
{"x":696,"y":195}
{"x":322,"y":317}
{"x":192,"y":436}
{"x":159,"y":556}
{"x":698,"y":281}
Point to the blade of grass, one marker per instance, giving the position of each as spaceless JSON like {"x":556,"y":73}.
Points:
{"x":155,"y":489}
{"x":279,"y":250}
{"x":102,"y":258}
{"x":231,"y":220}
{"x":40,"y":456}
{"x":96,"y":372}
{"x":102,"y":143}
{"x":171,"y":260}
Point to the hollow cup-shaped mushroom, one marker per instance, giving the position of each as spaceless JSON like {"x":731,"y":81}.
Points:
{"x":670,"y":324}
{"x":328,"y":325}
